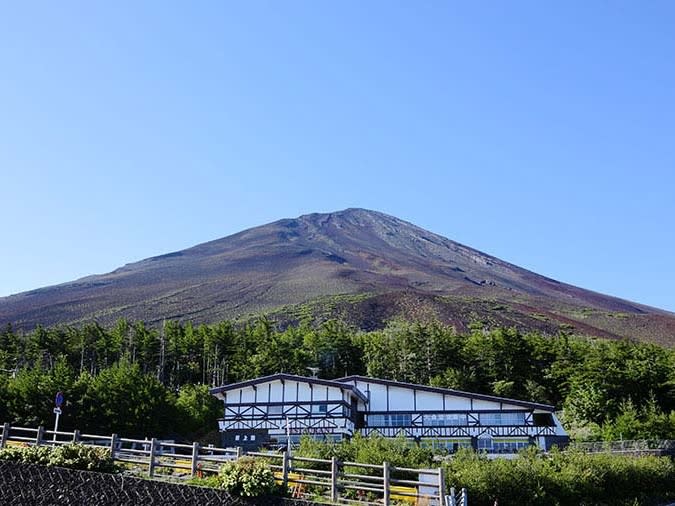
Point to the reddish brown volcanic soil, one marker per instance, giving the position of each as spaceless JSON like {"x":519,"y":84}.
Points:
{"x":362,"y":265}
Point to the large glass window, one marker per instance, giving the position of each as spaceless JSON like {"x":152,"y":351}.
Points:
{"x":444,"y":419}
{"x":485,"y":444}
{"x":320,"y":408}
{"x":510,"y":445}
{"x":449,"y":444}
{"x":283,"y":439}
{"x":502,"y":418}
{"x":274,"y":410}
{"x":543,"y":420}
{"x":390,"y":420}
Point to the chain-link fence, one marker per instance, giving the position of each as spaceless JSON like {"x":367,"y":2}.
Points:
{"x":30,"y":485}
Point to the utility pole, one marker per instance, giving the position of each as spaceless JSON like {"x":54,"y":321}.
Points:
{"x":288,"y":436}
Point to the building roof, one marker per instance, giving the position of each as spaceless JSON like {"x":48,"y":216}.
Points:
{"x":290,"y":377}
{"x":447,"y":391}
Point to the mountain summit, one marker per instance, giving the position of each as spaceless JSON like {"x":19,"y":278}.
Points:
{"x":362,"y":265}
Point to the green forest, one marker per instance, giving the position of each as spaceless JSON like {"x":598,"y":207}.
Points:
{"x":140,"y":381}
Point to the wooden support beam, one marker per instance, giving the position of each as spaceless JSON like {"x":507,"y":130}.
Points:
{"x":151,"y":463}
{"x":39,"y":436}
{"x":195,"y":459}
{"x":113,"y":443}
{"x":333,"y":479}
{"x":385,"y":482}
{"x":5,"y":435}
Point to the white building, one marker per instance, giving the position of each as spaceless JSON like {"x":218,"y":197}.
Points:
{"x":265,"y":410}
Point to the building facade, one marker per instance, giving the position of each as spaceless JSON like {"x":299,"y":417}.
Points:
{"x":269,"y":410}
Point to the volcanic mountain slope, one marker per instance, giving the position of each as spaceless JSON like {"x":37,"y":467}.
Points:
{"x":364,"y":266}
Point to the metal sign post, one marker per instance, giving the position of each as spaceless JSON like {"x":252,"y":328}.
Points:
{"x":58,"y":401}
{"x":288,"y":436}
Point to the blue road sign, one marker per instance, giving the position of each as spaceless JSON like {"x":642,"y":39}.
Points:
{"x":59,"y":399}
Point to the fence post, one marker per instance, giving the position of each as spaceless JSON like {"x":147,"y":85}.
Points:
{"x":5,"y":435}
{"x":465,"y":498}
{"x":113,"y":443}
{"x":385,"y":482}
{"x":239,"y":452}
{"x":151,"y":463}
{"x":333,"y":479}
{"x":195,"y":458}
{"x":76,"y":436}
{"x":441,"y":485}
{"x":284,"y":469}
{"x":40,"y":434}
{"x":453,"y":501}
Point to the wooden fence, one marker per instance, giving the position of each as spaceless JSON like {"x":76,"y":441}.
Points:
{"x":343,"y":482}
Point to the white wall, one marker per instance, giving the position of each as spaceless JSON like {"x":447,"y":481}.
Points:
{"x":275,"y":391}
{"x":247,"y":395}
{"x":559,"y":430}
{"x":292,"y":391}
{"x":457,"y":403}
{"x":401,"y":399}
{"x":480,"y":404}
{"x":404,"y":399}
{"x":428,"y":401}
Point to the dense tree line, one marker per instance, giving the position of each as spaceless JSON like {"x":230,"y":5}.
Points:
{"x":133,"y":379}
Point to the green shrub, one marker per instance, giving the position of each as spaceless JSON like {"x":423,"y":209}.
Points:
{"x":28,"y":455}
{"x":563,"y":479}
{"x":318,"y":449}
{"x":206,"y":481}
{"x":71,"y":456}
{"x":247,"y":477}
{"x":399,"y":451}
{"x":86,"y":458}
{"x":12,"y":454}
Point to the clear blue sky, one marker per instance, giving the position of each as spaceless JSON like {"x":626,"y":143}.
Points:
{"x":541,"y":134}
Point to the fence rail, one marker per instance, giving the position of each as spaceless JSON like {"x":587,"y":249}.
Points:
{"x":627,"y":446}
{"x":343,"y":482}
